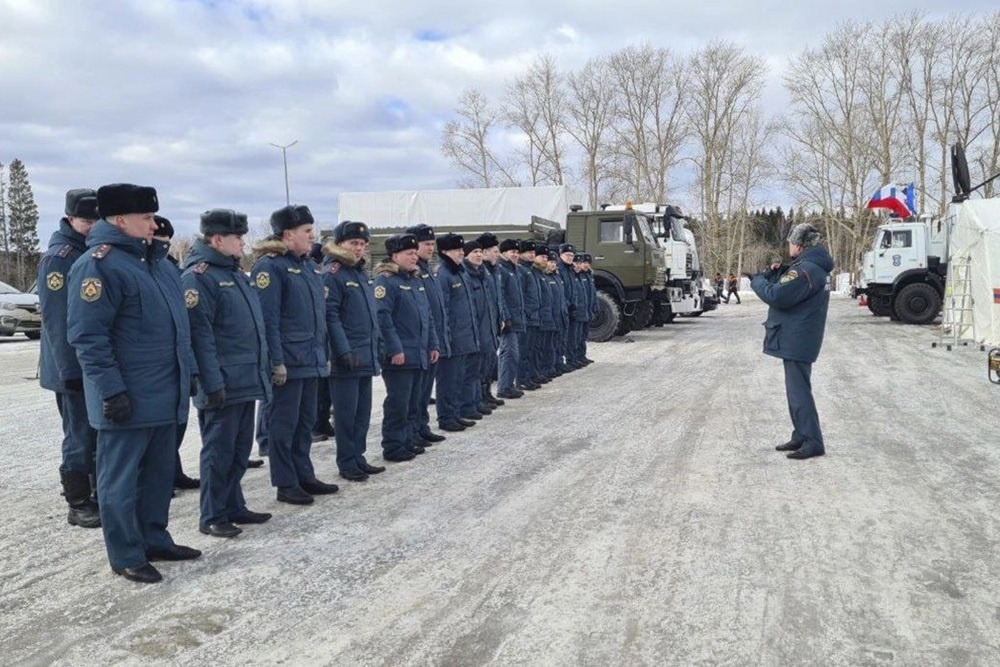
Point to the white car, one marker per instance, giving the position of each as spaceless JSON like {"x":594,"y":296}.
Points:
{"x":19,"y":313}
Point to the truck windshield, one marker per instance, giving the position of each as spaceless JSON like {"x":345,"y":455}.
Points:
{"x":647,"y":233}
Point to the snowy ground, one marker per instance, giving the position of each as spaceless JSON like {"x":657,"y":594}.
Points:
{"x":634,"y":512}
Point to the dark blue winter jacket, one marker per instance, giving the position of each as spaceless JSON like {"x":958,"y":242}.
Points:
{"x":590,"y":290}
{"x":404,"y":318}
{"x":457,"y":294}
{"x":569,"y":281}
{"x":511,"y":296}
{"x":485,"y":301}
{"x":129,"y":326}
{"x":582,"y":311}
{"x":798,"y":296}
{"x":227,"y":328}
{"x":439,"y":314}
{"x":290,"y":289}
{"x":529,"y":287}
{"x":57,"y":357}
{"x":546,"y":319}
{"x":559,"y":309}
{"x":351,"y":314}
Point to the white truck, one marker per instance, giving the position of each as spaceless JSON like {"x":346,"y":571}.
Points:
{"x":906,"y":270}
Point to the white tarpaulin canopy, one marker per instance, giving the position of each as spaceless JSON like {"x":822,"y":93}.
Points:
{"x":975,"y":241}
{"x":470,"y":206}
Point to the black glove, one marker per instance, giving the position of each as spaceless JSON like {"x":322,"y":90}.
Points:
{"x":194,"y":385}
{"x":572,"y":310}
{"x":347,"y":362}
{"x":506,"y":327}
{"x":118,"y":408}
{"x":215,"y":400}
{"x":76,"y":384}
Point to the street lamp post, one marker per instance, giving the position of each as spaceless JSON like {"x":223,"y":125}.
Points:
{"x":284,"y":159}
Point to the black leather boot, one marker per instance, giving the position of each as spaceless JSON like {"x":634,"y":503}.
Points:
{"x":83,"y":510}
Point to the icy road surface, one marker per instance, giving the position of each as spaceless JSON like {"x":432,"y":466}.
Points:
{"x":634,"y":512}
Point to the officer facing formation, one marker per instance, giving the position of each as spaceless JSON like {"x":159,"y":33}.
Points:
{"x":128,"y":324}
{"x":409,"y":346}
{"x":60,"y":371}
{"x":352,"y":324}
{"x":230,"y":348}
{"x":798,"y":297}
{"x":290,"y":288}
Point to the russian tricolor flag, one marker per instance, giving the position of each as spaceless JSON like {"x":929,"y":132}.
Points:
{"x":900,"y":201}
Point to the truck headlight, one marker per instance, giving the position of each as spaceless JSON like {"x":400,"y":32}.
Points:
{"x":8,"y":306}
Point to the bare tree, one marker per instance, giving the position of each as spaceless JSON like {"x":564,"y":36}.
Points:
{"x":590,"y":114}
{"x":466,"y":143}
{"x":535,"y":104}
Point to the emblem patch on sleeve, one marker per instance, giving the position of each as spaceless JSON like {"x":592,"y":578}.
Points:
{"x":90,"y":289}
{"x":190,"y":298}
{"x":54,"y":281}
{"x":789,"y":277}
{"x":380,"y":291}
{"x":263,"y":280}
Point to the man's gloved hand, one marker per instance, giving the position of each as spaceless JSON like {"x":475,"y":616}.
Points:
{"x":279,"y":375}
{"x":76,"y":384}
{"x":506,"y":326}
{"x":347,"y":362}
{"x":215,"y":400}
{"x":117,"y":408}
{"x":194,"y":385}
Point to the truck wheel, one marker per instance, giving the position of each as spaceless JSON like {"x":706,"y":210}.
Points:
{"x":878,"y":308}
{"x":643,"y":315}
{"x":608,"y":319}
{"x":918,"y":303}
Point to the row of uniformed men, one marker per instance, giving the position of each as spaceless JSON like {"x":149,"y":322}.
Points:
{"x":113,"y":308}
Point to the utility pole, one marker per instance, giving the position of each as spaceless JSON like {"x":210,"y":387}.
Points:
{"x":284,"y":159}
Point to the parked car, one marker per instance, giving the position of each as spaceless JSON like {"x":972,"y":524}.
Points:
{"x":19,"y":313}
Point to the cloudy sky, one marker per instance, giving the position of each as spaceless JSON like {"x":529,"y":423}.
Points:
{"x":186,"y":95}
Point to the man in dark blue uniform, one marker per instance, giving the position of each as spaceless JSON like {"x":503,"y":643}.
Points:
{"x":587,"y":276}
{"x":290,"y":288}
{"x":798,"y":296}
{"x":129,"y":327}
{"x":512,"y":324}
{"x":352,"y":323}
{"x":230,"y":348}
{"x":526,"y":372}
{"x":60,"y":371}
{"x":409,"y":346}
{"x":426,"y":245}
{"x":570,"y":282}
{"x":560,"y":316}
{"x":484,"y":310}
{"x":164,"y":233}
{"x":546,"y":321}
{"x":491,"y":257}
{"x":581,"y":315}
{"x":464,"y":336}
{"x":323,"y":429}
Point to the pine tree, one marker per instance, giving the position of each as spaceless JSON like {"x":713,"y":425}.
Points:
{"x":22,"y":223}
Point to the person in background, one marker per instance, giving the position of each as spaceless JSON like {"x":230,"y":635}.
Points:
{"x":491,"y":259}
{"x":323,"y":429}
{"x":512,"y":324}
{"x":798,"y":297}
{"x":485,"y":312}
{"x":230,"y":347}
{"x":733,"y":284}
{"x":720,"y":285}
{"x":526,"y":372}
{"x":59,"y":370}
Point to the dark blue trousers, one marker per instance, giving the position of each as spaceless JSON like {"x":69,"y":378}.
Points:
{"x":79,"y":445}
{"x":426,"y":387}
{"x":802,"y":407}
{"x":508,"y":362}
{"x":526,"y":364}
{"x":178,"y":468}
{"x":450,"y":381}
{"x":472,"y":388}
{"x":402,"y":402}
{"x":293,"y":413}
{"x":135,"y":478}
{"x":323,"y":404}
{"x":569,"y":343}
{"x":263,"y":419}
{"x":226,"y":441}
{"x":352,"y":416}
{"x":543,"y":354}
{"x":560,"y":346}
{"x":488,"y":366}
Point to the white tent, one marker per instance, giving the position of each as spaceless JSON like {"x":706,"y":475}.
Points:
{"x":974,"y":270}
{"x":468,"y":206}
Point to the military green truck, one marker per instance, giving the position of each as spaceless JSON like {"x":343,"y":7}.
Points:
{"x":628,"y":263}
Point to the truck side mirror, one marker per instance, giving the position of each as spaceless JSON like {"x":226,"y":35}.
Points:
{"x":628,"y":226}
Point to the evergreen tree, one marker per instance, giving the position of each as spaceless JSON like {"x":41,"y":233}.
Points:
{"x":22,"y":223}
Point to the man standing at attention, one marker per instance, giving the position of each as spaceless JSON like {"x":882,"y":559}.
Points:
{"x":798,"y":298}
{"x":130,"y":329}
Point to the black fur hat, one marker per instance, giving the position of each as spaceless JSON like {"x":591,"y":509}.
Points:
{"x":82,"y":203}
{"x":348,"y":230}
{"x":487,"y":241}
{"x":567,"y":247}
{"x":163,"y":227}
{"x":421,"y":232}
{"x":472,"y":245}
{"x":224,"y":221}
{"x":291,"y":217}
{"x":400,"y":242}
{"x":509,"y":244}
{"x":526,"y":246}
{"x":450,"y":242}
{"x":125,"y":198}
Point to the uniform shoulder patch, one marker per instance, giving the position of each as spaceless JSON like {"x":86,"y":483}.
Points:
{"x":380,"y":291}
{"x":200,"y":267}
{"x":789,"y":277}
{"x":387,"y":274}
{"x":55,"y":281}
{"x":90,"y":289}
{"x":101,"y":252}
{"x":64,"y":250}
{"x":190,"y":298}
{"x":263,"y":280}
